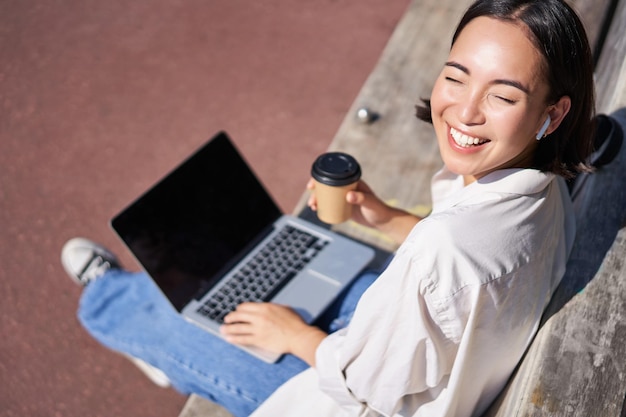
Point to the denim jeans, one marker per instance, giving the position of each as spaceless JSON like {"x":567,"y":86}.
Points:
{"x":127,"y":313}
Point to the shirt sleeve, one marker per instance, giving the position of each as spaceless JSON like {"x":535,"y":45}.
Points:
{"x":396,"y":348}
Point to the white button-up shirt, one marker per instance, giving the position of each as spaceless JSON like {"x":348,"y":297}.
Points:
{"x":440,"y":331}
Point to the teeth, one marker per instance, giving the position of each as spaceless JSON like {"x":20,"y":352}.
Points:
{"x":462,"y":139}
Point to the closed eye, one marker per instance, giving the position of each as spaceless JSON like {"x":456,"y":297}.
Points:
{"x":506,"y":100}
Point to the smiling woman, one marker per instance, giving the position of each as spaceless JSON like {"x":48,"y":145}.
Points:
{"x":440,"y":330}
{"x":536,"y":70}
{"x":491,"y":100}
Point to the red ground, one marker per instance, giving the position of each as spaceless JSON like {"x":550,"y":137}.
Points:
{"x":98,"y":99}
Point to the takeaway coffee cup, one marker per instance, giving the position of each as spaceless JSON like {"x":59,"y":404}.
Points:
{"x":335,"y":173}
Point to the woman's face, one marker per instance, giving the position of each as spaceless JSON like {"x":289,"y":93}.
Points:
{"x":489,"y":101}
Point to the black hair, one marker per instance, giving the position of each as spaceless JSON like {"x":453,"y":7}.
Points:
{"x":557,"y":32}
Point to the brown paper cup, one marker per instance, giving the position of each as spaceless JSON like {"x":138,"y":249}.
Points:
{"x":335,"y":173}
{"x":332,"y":207}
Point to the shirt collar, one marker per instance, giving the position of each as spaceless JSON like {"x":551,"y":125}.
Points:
{"x":449,"y":190}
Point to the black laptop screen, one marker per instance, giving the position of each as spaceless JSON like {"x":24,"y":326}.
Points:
{"x":194,"y":224}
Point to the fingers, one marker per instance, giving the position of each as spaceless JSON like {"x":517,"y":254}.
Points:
{"x":239,"y":334}
{"x":360,"y":196}
{"x":245,"y":313}
{"x":312,"y":201}
{"x":241,"y":324}
{"x":237,"y":329}
{"x":264,"y":325}
{"x":355,"y":197}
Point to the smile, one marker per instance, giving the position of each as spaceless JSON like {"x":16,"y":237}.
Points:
{"x":464,"y":140}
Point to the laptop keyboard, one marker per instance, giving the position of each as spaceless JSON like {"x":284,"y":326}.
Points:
{"x":266,"y":273}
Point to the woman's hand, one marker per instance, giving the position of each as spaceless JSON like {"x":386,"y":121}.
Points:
{"x":274,"y":328}
{"x":371,"y":211}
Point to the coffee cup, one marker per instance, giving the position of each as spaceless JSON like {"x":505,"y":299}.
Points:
{"x":335,"y":173}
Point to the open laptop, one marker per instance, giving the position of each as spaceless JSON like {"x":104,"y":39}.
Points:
{"x":204,"y":233}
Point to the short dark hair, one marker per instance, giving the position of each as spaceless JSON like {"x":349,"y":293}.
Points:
{"x":558,"y":33}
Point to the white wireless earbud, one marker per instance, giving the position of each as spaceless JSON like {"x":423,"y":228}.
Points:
{"x":543,"y":129}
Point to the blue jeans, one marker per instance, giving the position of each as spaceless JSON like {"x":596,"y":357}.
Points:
{"x":127,"y":313}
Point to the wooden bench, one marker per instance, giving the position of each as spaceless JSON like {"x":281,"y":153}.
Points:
{"x":576,"y":365}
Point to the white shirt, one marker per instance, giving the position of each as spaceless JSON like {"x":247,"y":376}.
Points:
{"x":440,"y":331}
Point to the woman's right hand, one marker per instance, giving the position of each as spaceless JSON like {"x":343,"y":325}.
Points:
{"x":371,"y":211}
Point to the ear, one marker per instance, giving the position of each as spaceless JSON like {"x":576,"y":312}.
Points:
{"x":557,"y":113}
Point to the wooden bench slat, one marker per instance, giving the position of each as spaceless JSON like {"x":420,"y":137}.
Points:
{"x":595,"y":14}
{"x":611,"y":69}
{"x":397,"y":152}
{"x":576,"y":365}
{"x":197,"y":406}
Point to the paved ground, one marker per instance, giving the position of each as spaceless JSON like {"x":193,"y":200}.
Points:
{"x":97,"y":100}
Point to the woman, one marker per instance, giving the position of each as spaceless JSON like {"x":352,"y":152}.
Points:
{"x":439,"y":332}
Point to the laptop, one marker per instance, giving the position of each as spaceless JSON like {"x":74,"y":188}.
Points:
{"x":211,"y":237}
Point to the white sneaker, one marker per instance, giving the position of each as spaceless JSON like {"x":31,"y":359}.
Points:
{"x":154,"y":374}
{"x":85,"y":260}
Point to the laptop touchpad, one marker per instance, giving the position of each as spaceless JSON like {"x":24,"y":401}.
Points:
{"x":304,"y":294}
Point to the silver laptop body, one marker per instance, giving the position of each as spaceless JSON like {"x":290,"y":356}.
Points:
{"x":210,"y":236}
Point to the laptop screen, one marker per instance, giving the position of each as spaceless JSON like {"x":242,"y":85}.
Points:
{"x":197,"y":222}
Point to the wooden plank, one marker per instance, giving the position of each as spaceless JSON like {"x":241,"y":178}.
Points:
{"x":594,"y":15}
{"x":197,"y":406}
{"x":399,"y":153}
{"x":611,"y":70}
